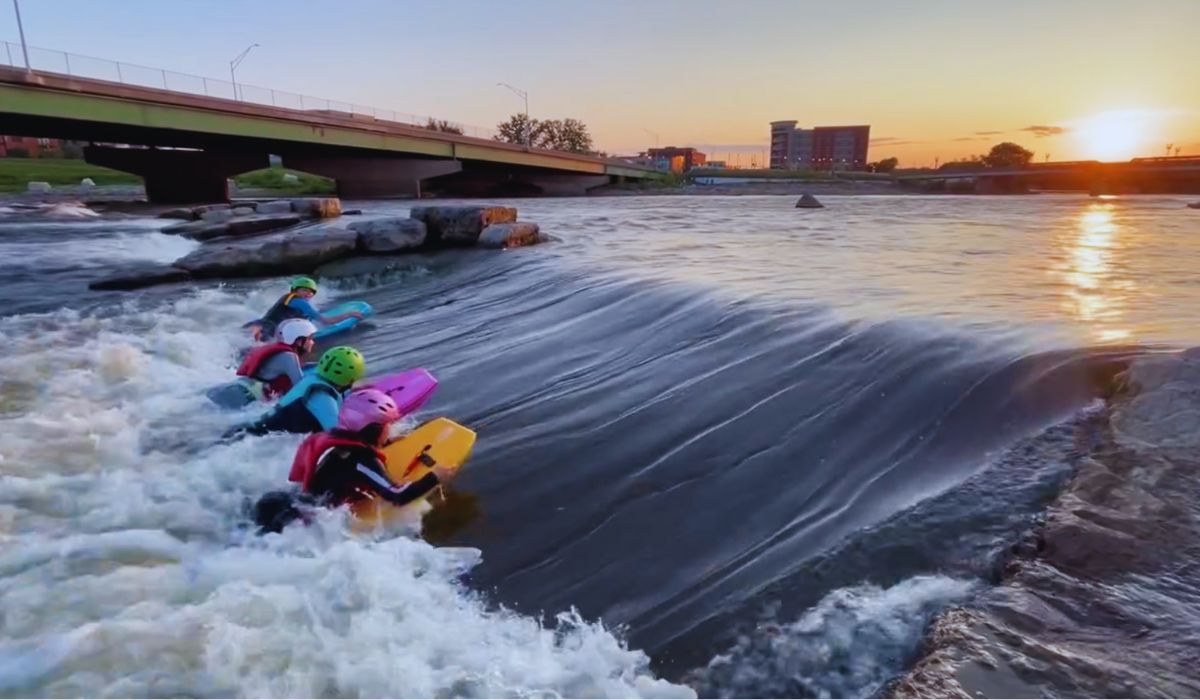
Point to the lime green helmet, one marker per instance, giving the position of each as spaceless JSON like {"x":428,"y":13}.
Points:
{"x":304,"y":283}
{"x":341,"y":366}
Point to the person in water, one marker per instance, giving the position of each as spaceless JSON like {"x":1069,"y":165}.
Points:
{"x":312,"y":405}
{"x":345,"y":465}
{"x":269,"y":371}
{"x":280,"y":365}
{"x":296,"y":304}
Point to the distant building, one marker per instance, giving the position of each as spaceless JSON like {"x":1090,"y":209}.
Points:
{"x":29,"y":147}
{"x":819,"y":148}
{"x":677,"y":160}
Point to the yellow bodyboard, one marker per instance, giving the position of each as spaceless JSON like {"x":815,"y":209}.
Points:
{"x":440,"y":440}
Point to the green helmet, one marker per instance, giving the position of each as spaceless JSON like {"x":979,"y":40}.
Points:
{"x":341,"y":366}
{"x":304,"y":283}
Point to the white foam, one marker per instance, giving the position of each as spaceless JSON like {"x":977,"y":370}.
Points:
{"x":847,"y":645}
{"x":126,"y":567}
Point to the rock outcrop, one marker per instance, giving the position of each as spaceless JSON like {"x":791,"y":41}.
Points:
{"x":807,"y":201}
{"x":510,"y":235}
{"x":141,"y":276}
{"x":205,"y":230}
{"x":318,"y":207}
{"x":245,"y":242}
{"x":277,"y":254}
{"x":460,"y":225}
{"x":389,"y":235}
{"x":278,"y":206}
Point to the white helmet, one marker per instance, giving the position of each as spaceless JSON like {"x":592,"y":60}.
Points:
{"x":294,"y":329}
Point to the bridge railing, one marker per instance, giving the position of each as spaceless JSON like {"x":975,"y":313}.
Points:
{"x":77,"y":65}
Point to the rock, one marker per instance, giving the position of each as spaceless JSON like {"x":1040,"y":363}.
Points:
{"x":198,"y":230}
{"x":807,"y":201}
{"x":185,"y":213}
{"x":318,"y":207}
{"x":201,"y":208}
{"x":263,"y":222}
{"x":279,"y":206}
{"x":389,"y":235}
{"x":39,"y":187}
{"x":142,"y":276}
{"x":511,"y":235}
{"x":280,"y":253}
{"x":243,"y":211}
{"x":351,"y":212}
{"x":364,"y":265}
{"x":460,"y":225}
{"x":1194,"y":205}
{"x":216,"y":215}
{"x":87,"y":182}
{"x":291,"y":179}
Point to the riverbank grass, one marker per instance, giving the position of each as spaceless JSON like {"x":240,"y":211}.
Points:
{"x":17,"y":173}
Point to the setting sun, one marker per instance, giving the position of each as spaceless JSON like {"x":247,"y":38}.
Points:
{"x":1114,"y":136}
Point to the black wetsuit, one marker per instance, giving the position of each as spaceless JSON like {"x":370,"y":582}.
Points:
{"x":344,"y":474}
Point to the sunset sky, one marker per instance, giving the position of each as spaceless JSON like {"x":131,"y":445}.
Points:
{"x":935,"y":79}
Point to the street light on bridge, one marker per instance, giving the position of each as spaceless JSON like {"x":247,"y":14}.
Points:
{"x":21,"y":31}
{"x":525,"y":96}
{"x":232,"y":67}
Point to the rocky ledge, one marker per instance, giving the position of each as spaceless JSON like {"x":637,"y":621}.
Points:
{"x":261,"y":239}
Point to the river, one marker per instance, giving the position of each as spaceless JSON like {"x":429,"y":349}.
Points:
{"x":726,"y":447}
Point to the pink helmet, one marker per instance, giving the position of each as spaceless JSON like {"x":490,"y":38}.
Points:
{"x":365,"y":408}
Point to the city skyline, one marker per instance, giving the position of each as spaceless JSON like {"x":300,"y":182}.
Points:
{"x":936,"y":80}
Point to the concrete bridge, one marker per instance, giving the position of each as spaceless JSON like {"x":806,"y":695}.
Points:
{"x":187,"y":145}
{"x":1140,"y":175}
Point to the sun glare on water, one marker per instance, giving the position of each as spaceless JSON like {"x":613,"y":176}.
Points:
{"x":1118,"y":135}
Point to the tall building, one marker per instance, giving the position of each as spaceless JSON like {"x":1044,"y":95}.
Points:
{"x":677,"y":160}
{"x":819,"y":148}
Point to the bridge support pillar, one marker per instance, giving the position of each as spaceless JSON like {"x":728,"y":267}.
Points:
{"x":567,"y":185}
{"x":372,"y":178}
{"x":178,"y":176}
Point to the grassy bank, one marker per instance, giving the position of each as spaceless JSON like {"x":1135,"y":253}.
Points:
{"x":273,"y":179}
{"x":16,"y":173}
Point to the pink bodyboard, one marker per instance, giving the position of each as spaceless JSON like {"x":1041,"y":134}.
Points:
{"x":410,"y":390}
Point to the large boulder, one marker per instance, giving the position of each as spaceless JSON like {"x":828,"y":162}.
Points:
{"x":250,"y":225}
{"x":243,"y":211}
{"x":141,"y":276}
{"x":216,"y":215}
{"x":277,"y":254}
{"x":511,"y":235}
{"x":364,"y":266}
{"x":807,"y":201}
{"x":279,"y":206}
{"x":38,"y":187}
{"x":185,"y":213}
{"x":318,"y":207}
{"x":460,"y":225}
{"x":198,"y":230}
{"x":389,"y":235}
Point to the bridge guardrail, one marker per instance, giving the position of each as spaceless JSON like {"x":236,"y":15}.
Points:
{"x":78,"y":65}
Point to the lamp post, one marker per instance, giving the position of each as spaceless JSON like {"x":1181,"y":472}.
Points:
{"x":21,"y":31}
{"x":524,"y":96}
{"x":233,"y":66}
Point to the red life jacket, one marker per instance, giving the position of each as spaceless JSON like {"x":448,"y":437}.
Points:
{"x":304,"y":465}
{"x":254,"y":361}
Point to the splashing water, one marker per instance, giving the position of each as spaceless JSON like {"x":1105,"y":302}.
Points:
{"x":127,"y":567}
